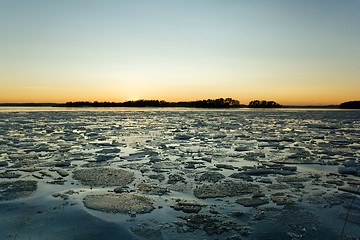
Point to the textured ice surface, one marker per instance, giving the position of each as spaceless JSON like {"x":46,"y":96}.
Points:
{"x":245,"y":173}
{"x":119,"y":203}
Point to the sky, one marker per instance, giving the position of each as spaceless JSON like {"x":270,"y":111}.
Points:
{"x":293,"y":52}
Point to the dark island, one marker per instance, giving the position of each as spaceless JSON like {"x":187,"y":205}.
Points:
{"x":350,"y":105}
{"x":209,"y":103}
{"x":263,"y":104}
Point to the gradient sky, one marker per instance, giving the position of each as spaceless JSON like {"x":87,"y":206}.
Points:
{"x":294,"y":52}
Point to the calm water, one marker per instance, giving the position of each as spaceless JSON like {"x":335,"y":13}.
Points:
{"x":300,"y":150}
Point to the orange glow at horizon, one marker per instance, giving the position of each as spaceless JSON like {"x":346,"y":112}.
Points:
{"x":58,"y":95}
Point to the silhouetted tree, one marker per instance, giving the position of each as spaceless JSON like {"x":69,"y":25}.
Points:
{"x":215,"y":103}
{"x":263,"y":104}
{"x":350,"y":105}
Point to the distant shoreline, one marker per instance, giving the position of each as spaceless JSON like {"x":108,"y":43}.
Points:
{"x":28,"y":104}
{"x":242,"y":106}
{"x":219,"y":103}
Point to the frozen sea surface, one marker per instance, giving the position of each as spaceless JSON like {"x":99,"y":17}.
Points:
{"x":179,"y":174}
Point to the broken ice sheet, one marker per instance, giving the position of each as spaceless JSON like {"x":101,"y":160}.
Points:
{"x":235,"y":169}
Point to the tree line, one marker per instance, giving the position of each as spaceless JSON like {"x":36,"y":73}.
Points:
{"x":208,"y":103}
{"x":350,"y":105}
{"x":263,"y":104}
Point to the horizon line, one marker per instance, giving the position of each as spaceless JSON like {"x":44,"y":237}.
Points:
{"x":57,"y":103}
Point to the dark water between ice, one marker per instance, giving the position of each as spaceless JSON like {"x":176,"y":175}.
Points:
{"x":291,"y":157}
